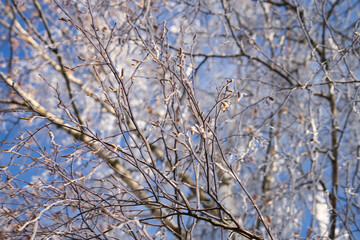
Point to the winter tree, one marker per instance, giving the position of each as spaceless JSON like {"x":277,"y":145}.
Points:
{"x":194,"y":119}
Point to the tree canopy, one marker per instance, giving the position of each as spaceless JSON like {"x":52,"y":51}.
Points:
{"x":193,"y":119}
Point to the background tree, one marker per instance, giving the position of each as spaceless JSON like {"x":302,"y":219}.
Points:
{"x":172,"y":119}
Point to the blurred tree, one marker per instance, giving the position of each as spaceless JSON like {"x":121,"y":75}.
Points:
{"x":151,"y":119}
